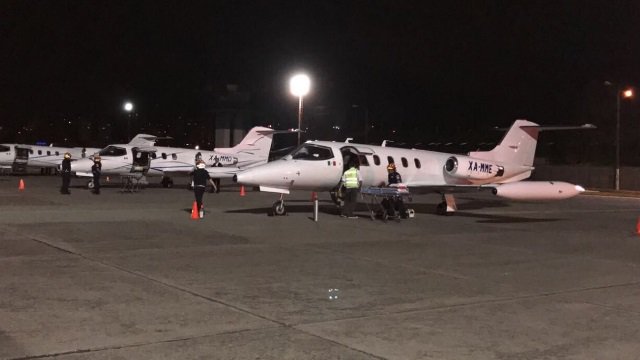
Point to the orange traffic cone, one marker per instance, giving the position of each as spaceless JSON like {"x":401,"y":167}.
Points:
{"x":21,"y":185}
{"x":638,"y":226}
{"x":194,"y":211}
{"x":242,"y":190}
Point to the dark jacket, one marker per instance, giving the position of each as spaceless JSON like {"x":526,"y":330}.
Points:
{"x":66,"y":166}
{"x":394,"y":178}
{"x":200,"y":177}
{"x":96,"y":169}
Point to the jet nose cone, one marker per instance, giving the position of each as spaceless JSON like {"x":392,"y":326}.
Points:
{"x":257,"y":176}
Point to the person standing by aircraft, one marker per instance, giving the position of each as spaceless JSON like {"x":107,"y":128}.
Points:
{"x":96,"y":170}
{"x":395,"y":203}
{"x":65,"y":168}
{"x":200,"y":178}
{"x":352,"y":181}
{"x":216,"y":181}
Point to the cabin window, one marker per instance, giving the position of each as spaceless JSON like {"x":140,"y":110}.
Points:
{"x":153,"y":155}
{"x":376,"y":160}
{"x":390,"y":160}
{"x":48,"y":152}
{"x":39,"y":152}
{"x":113,"y":151}
{"x":417,"y":162}
{"x":405,"y":163}
{"x":174,"y":156}
{"x":57,"y":153}
{"x":164,"y":156}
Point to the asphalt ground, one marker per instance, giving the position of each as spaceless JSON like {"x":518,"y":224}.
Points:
{"x":131,"y":276}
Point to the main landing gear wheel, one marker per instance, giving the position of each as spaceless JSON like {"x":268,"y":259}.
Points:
{"x":167,"y":182}
{"x":278,"y":208}
{"x":90,"y":185}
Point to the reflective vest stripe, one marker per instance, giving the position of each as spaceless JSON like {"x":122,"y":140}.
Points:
{"x":351,"y":178}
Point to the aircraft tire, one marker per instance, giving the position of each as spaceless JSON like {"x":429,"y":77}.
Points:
{"x":278,"y":208}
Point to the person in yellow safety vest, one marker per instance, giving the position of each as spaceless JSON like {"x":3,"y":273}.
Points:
{"x":352,"y":181}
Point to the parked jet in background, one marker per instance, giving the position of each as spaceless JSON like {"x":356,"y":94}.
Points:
{"x":18,"y":156}
{"x":318,"y":166}
{"x":142,"y":157}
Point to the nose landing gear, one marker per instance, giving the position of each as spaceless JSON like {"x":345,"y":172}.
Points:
{"x":278,"y":208}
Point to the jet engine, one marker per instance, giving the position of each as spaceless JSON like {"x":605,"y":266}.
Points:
{"x":464,"y":167}
{"x":537,"y":190}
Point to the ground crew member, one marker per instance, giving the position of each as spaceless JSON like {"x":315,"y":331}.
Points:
{"x":351,"y":181}
{"x":65,"y":169}
{"x":96,"y":170}
{"x":200,"y":178}
{"x":395,"y":203}
{"x":216,"y":181}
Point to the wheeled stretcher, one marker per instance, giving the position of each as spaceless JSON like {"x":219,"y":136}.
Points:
{"x":379,"y":199}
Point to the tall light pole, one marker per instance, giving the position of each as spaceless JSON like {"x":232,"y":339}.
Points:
{"x":300,"y":85}
{"x":627,"y":94}
{"x":128,"y":107}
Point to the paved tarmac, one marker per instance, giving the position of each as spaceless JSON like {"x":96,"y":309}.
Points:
{"x":131,"y":276}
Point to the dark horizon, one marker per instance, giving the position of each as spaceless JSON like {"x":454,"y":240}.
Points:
{"x":443,"y":72}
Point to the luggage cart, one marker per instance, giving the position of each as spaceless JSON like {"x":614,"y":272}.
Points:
{"x":374,"y":196}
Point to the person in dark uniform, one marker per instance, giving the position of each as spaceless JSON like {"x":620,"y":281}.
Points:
{"x":395,"y":204}
{"x":96,"y":170}
{"x":216,"y":181}
{"x":65,"y":168}
{"x":200,"y":178}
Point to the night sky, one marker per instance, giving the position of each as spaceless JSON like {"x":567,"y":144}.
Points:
{"x":426,"y":70}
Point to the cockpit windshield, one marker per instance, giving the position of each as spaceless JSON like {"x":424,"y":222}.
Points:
{"x":4,"y":148}
{"x":113,"y":151}
{"x":312,"y":152}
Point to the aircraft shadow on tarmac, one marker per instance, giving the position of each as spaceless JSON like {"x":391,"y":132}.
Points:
{"x":327,"y":207}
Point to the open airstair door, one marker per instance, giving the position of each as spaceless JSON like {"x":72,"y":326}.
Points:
{"x":141,"y":160}
{"x":351,"y":153}
{"x":21,"y":159}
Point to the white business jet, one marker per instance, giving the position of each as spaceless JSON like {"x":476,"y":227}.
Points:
{"x":140,"y":157}
{"x":19,"y":156}
{"x":318,"y":166}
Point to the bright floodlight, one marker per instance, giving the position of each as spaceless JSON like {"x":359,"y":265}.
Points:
{"x":628,"y":93}
{"x":128,"y":106}
{"x":300,"y":85}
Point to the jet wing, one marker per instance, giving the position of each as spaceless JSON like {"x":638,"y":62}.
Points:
{"x":426,"y":187}
{"x":223,"y":172}
{"x":519,"y":190}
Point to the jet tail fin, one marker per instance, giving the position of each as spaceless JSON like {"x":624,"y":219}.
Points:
{"x":256,"y":144}
{"x":518,"y":146}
